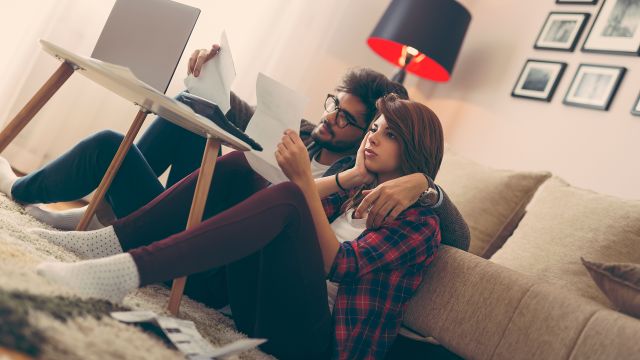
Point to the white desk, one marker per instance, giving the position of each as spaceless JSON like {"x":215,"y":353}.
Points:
{"x":122,"y":82}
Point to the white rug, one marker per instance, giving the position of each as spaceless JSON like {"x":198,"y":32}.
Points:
{"x":85,"y":337}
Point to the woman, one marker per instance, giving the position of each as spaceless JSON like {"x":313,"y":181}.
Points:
{"x":290,"y":271}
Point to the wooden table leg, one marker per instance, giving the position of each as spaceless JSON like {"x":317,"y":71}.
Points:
{"x":112,"y":170}
{"x":34,"y":105}
{"x":197,"y":210}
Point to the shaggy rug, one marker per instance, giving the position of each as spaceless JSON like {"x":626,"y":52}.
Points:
{"x":47,"y":321}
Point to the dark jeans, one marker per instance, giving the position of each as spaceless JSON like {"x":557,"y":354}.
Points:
{"x":266,"y":242}
{"x":79,"y":171}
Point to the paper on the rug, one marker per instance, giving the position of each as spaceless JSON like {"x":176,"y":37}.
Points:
{"x":279,"y":108}
{"x":185,"y":336}
{"x":216,"y":77}
{"x":134,"y":316}
{"x":233,"y":348}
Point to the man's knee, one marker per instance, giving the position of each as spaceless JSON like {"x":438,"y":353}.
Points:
{"x":105,"y":140}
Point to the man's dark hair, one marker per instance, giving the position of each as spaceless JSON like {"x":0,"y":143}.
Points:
{"x":369,"y":85}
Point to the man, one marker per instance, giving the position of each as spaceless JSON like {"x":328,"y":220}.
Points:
{"x":332,"y":144}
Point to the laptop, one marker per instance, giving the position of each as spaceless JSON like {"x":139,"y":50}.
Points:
{"x":147,"y":36}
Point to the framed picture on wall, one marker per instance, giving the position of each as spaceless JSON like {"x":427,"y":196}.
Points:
{"x":616,"y":29}
{"x":636,"y":107}
{"x":594,"y":86}
{"x":538,"y":79}
{"x":561,"y":31}
{"x":584,"y":2}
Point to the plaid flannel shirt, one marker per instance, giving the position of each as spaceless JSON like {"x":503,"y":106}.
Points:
{"x":378,"y":273}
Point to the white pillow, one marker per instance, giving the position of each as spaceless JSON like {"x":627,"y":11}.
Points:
{"x":564,"y":223}
{"x":491,"y":201}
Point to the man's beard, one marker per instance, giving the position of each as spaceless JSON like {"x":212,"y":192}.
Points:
{"x":336,"y":147}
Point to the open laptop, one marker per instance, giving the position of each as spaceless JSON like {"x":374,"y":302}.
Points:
{"x":147,"y":36}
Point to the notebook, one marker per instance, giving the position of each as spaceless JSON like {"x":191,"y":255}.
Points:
{"x":147,"y":36}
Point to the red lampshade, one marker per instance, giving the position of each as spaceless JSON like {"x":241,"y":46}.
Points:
{"x":421,"y":64}
{"x":434,"y":29}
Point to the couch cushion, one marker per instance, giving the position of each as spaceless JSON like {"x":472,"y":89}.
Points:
{"x":546,"y":325}
{"x":619,"y":282}
{"x":564,"y":223}
{"x":491,"y":201}
{"x":608,"y":335}
{"x":466,"y":302}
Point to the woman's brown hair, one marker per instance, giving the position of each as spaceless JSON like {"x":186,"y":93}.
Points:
{"x":419,"y":134}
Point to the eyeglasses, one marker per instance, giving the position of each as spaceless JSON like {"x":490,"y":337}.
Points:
{"x":343,"y":117}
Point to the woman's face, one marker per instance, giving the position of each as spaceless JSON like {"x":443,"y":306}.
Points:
{"x":382,"y":151}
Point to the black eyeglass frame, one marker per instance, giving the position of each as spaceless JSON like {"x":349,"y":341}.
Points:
{"x":349,"y":119}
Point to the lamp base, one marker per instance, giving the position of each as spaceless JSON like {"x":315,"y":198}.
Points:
{"x":399,"y":76}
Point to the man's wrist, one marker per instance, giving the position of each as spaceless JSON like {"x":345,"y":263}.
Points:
{"x":429,"y":197}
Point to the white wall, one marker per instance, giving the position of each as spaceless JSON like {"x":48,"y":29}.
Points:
{"x":589,"y":148}
{"x":308,"y":45}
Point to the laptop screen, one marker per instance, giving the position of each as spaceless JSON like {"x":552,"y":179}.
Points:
{"x":147,"y":36}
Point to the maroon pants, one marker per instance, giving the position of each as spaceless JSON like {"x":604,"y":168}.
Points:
{"x":266,"y":242}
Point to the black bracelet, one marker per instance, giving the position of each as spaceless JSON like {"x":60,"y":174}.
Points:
{"x":338,"y":183}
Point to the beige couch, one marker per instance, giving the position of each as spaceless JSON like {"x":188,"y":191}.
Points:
{"x":525,"y":294}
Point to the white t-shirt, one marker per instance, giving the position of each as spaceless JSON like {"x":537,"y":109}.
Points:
{"x":346,"y":228}
{"x":317,"y":169}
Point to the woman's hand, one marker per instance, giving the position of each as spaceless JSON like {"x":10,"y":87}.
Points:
{"x":293,"y":159}
{"x":199,"y":57}
{"x":358,"y":174}
{"x":391,"y":198}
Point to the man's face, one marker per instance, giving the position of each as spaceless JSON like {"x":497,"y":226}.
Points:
{"x":330,"y":136}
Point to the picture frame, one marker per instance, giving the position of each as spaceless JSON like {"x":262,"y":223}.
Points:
{"x":538,"y":79}
{"x":594,"y":86}
{"x":577,"y":2}
{"x":616,"y":29}
{"x":635,"y":110}
{"x":561,"y":31}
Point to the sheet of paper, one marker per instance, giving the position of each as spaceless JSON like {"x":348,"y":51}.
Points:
{"x":184,"y":335}
{"x":216,"y":77}
{"x":232,"y":348}
{"x":279,"y":108}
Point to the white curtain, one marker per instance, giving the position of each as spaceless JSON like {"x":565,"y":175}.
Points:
{"x":306,"y":44}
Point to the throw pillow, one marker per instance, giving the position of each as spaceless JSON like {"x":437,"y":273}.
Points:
{"x":620,"y":282}
{"x":563,"y":223}
{"x":491,"y":201}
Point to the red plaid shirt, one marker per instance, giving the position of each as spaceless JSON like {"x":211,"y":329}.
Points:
{"x":378,"y":273}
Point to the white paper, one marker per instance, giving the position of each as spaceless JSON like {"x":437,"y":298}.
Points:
{"x":279,"y":108}
{"x":216,"y":77}
{"x":185,"y":336}
{"x":134,"y":316}
{"x":233,"y":348}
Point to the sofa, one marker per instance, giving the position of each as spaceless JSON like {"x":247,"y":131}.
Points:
{"x":521,"y":291}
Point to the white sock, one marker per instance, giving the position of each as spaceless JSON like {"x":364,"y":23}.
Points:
{"x":88,"y":244}
{"x":7,"y":177}
{"x":63,"y":220}
{"x":110,"y":278}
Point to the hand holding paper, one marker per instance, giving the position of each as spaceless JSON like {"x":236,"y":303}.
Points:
{"x":279,"y":108}
{"x":214,"y":82}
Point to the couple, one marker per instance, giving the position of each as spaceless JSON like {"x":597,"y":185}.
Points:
{"x":313,"y":288}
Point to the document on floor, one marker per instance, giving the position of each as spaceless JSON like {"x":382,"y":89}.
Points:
{"x":216,"y":77}
{"x":279,"y":108}
{"x":184,"y":335}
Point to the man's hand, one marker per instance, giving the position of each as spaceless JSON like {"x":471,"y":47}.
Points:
{"x":199,"y":57}
{"x":390,"y":198}
{"x":293,"y":159}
